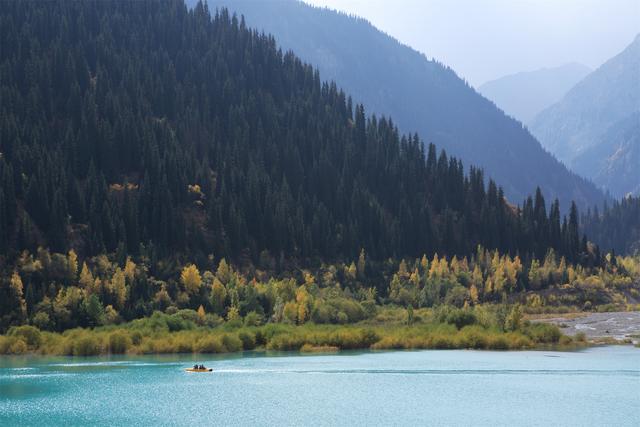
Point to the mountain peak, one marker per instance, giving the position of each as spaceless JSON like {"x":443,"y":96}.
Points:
{"x":597,"y":119}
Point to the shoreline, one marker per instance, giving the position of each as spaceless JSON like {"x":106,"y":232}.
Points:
{"x":615,"y":326}
{"x":261,"y":352}
{"x":304,"y":339}
{"x":157,"y":335}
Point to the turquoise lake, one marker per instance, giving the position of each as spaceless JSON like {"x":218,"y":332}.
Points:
{"x":598,"y":386}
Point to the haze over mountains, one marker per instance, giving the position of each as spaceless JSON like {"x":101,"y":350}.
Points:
{"x":594,"y":129}
{"x":523,"y":95}
{"x":418,"y":94}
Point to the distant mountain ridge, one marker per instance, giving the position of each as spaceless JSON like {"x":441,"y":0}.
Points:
{"x":523,"y":95}
{"x":595,"y":128}
{"x":421,"y":95}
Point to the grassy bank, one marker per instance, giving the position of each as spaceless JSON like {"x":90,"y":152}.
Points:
{"x":162,"y":333}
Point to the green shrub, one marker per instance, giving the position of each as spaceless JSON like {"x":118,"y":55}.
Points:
{"x":119,"y":342}
{"x":565,"y":340}
{"x":18,"y":346}
{"x":322,"y":313}
{"x":369,"y":307}
{"x":136,"y":337}
{"x":183,"y":344}
{"x":41,"y":321}
{"x":177,"y":322}
{"x":460,"y":318}
{"x":212,"y":320}
{"x":87,"y":345}
{"x":248,"y":340}
{"x":188,"y":315}
{"x":286,"y":342}
{"x":231,"y":342}
{"x":472,"y":337}
{"x":498,"y":342}
{"x":30,"y":334}
{"x":210,"y":344}
{"x":342,"y":318}
{"x":543,"y":333}
{"x":253,"y":319}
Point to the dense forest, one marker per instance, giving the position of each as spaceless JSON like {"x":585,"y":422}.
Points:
{"x":617,"y":227}
{"x":129,"y":124}
{"x":144,"y":146}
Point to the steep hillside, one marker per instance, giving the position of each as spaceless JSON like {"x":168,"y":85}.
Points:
{"x":595,"y":120}
{"x":614,"y":163}
{"x":524,"y":95}
{"x":143,"y":128}
{"x":420,"y":94}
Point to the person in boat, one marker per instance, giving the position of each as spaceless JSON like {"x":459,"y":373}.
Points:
{"x":202,"y":367}
{"x":196,"y":367}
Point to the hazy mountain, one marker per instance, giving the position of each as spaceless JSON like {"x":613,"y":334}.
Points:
{"x":614,"y":163}
{"x":594,"y":128}
{"x":420,"y":95}
{"x":524,"y":95}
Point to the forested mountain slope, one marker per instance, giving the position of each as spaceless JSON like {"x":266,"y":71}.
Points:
{"x":523,"y":95}
{"x":594,"y":128}
{"x":420,"y":94}
{"x":142,"y":126}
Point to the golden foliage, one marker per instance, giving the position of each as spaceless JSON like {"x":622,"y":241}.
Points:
{"x":191,"y":279}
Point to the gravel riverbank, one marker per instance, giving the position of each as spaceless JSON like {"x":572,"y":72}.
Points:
{"x":620,"y":326}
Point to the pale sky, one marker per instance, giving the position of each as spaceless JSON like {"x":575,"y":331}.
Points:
{"x":486,"y":39}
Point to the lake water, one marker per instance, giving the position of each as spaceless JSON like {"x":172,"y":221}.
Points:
{"x":599,"y":386}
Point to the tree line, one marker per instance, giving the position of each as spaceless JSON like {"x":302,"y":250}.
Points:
{"x":617,"y":227}
{"x":56,"y":291}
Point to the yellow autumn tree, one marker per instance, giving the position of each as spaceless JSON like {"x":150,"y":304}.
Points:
{"x":201,"y":314}
{"x":424,"y":263}
{"x":473,"y":293}
{"x":17,"y":292}
{"x":362,"y":265}
{"x":162,"y":299}
{"x":476,"y":277}
{"x":218,"y":296}
{"x":191,"y":279}
{"x":72,"y":265}
{"x":415,"y":278}
{"x":233,"y":313}
{"x":535,"y":275}
{"x":290,"y":312}
{"x":86,"y":278}
{"x":223,"y":273}
{"x":129,"y":270}
{"x":403,"y":272}
{"x":394,"y":287}
{"x":443,"y":267}
{"x":499,"y":278}
{"x":463,"y":265}
{"x":118,"y":288}
{"x":455,"y":266}
{"x":351,"y":271}
{"x":488,"y":286}
{"x":304,"y":302}
{"x":434,"y":270}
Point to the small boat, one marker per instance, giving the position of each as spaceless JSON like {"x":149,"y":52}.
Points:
{"x":199,"y":370}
